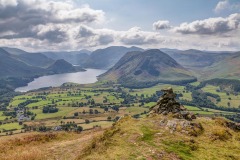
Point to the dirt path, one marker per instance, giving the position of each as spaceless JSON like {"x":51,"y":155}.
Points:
{"x":69,"y":149}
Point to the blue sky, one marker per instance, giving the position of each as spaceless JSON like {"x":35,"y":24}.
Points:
{"x":128,"y":13}
{"x":38,"y":25}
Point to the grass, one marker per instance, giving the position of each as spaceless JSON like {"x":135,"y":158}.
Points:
{"x":2,"y":117}
{"x":136,"y":110}
{"x":63,"y":111}
{"x":180,"y":148}
{"x":234,"y":102}
{"x":148,"y":134}
{"x":103,"y":124}
{"x":10,"y":126}
{"x":146,"y":139}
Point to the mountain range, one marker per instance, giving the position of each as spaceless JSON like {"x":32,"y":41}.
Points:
{"x":124,"y":65}
{"x":19,"y":63}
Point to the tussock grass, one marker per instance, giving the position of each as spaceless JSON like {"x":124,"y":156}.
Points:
{"x":146,"y":139}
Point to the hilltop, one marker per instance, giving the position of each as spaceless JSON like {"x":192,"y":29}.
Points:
{"x":156,"y":137}
{"x":143,"y":69}
{"x":163,"y":137}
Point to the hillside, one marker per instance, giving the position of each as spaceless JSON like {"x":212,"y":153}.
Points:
{"x":14,"y":51}
{"x":157,"y":137}
{"x":161,"y":137}
{"x":11,"y":67}
{"x":35,"y":59}
{"x":194,"y":59}
{"x":147,"y":68}
{"x":106,"y":58}
{"x":227,"y":68}
{"x":61,"y":66}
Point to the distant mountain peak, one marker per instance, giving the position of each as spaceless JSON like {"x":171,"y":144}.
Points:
{"x":148,"y":67}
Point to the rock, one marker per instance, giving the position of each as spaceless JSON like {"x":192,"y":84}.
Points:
{"x":167,"y":104}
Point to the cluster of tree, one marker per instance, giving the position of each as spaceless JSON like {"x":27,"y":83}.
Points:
{"x":233,"y":83}
{"x":72,"y":127}
{"x":22,"y":105}
{"x":49,"y":109}
{"x":199,"y":99}
{"x":7,"y":86}
{"x":216,"y":96}
{"x":133,"y":83}
{"x":234,"y":117}
{"x":10,"y":113}
{"x":127,"y":98}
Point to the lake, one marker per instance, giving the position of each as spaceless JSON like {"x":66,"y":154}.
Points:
{"x":89,"y":76}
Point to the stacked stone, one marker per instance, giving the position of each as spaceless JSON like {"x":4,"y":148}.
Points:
{"x":167,"y":104}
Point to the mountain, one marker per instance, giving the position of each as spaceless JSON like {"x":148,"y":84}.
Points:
{"x":73,"y":57}
{"x":35,"y":59}
{"x":14,"y":51}
{"x":195,"y":59}
{"x":142,"y":69}
{"x":61,"y":66}
{"x":107,"y":57}
{"x":226,"y":68}
{"x":11,"y":67}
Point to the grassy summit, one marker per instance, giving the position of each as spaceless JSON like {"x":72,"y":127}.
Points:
{"x":152,"y":138}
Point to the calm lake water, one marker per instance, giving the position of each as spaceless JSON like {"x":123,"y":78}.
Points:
{"x":89,"y":76}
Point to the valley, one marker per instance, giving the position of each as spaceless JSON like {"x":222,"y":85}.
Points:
{"x":102,"y":103}
{"x":130,"y":87}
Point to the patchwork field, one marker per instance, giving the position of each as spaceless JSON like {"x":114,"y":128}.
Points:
{"x":227,"y":99}
{"x":94,"y":105}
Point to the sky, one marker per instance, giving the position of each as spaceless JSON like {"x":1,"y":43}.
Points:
{"x":41,"y":25}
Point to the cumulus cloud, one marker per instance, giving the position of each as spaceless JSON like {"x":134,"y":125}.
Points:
{"x":22,"y":17}
{"x":135,"y":36}
{"x":94,"y":37}
{"x":227,"y":5}
{"x":159,"y":25}
{"x":210,"y":26}
{"x":63,"y":25}
{"x":5,"y":3}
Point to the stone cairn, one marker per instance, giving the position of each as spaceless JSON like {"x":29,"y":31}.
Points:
{"x":167,"y":104}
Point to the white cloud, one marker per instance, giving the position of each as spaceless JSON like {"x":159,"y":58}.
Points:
{"x":159,"y":25}
{"x":6,"y":3}
{"x":210,"y":26}
{"x":227,"y":5}
{"x":62,"y":25}
{"x":22,"y":18}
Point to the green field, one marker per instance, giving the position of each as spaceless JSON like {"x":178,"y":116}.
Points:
{"x":225,"y":99}
{"x":63,"y":111}
{"x":10,"y":126}
{"x":97,"y":97}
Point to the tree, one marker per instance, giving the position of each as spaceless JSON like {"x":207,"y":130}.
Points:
{"x":76,"y":114}
{"x":87,"y":121}
{"x":106,"y":109}
{"x":90,"y":111}
{"x":96,"y":111}
{"x":79,"y":129}
{"x":109,"y":118}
